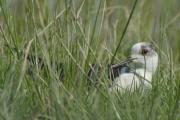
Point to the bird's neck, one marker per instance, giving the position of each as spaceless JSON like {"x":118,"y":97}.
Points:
{"x":151,"y":64}
{"x":144,"y":74}
{"x":148,"y":63}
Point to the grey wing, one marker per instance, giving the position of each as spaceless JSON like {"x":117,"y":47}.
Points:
{"x":116,"y":70}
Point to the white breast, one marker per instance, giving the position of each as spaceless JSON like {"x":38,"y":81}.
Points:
{"x":131,"y":81}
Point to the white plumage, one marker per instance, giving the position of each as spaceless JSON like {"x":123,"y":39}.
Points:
{"x":142,"y":53}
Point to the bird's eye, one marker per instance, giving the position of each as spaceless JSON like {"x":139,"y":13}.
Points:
{"x":144,"y":51}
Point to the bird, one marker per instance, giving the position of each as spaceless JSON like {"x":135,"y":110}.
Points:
{"x":126,"y":77}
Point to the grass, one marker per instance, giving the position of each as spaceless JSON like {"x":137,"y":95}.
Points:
{"x":77,"y":34}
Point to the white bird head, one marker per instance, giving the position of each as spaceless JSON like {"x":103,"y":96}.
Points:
{"x":144,"y":53}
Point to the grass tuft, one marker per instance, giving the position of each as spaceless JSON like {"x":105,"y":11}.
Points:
{"x":36,"y":37}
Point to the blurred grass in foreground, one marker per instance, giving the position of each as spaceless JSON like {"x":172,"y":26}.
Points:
{"x":78,"y":33}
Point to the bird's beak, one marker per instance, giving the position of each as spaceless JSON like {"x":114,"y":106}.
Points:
{"x":128,"y":60}
{"x":125,"y":62}
{"x":131,"y":59}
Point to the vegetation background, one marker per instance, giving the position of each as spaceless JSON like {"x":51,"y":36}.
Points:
{"x":78,"y":33}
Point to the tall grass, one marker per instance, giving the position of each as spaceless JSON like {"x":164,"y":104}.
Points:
{"x":78,"y":33}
